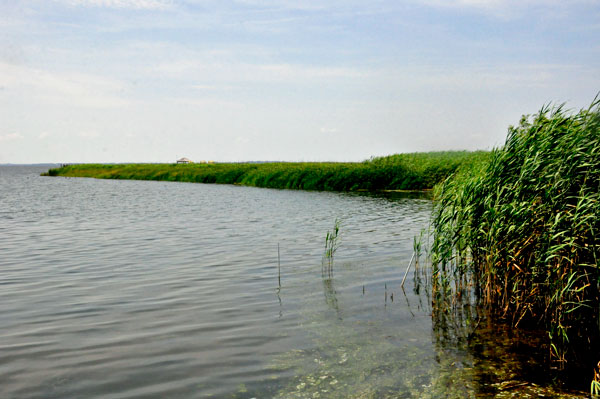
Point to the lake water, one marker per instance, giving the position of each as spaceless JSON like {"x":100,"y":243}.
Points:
{"x":140,"y":289}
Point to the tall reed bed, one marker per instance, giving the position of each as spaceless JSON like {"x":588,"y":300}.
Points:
{"x":520,"y":231}
{"x":396,"y":172}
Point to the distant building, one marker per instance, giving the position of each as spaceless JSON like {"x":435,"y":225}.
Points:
{"x":183,"y":160}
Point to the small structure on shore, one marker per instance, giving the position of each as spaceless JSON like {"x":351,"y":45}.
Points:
{"x":184,"y":160}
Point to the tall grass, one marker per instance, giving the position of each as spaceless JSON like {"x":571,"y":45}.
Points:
{"x":521,"y":230}
{"x":397,"y":172}
{"x":332,"y":242}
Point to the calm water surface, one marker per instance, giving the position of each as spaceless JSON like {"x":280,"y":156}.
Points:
{"x":137,"y":289}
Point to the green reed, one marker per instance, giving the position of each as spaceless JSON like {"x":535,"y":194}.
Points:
{"x":520,"y":231}
{"x":332,"y":242}
{"x":416,"y":171}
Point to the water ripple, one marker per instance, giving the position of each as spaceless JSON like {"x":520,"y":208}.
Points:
{"x":129,"y":289}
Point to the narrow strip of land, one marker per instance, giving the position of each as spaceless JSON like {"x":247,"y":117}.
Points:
{"x":416,"y":171}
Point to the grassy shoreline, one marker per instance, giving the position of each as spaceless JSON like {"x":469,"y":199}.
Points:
{"x":400,"y":172}
{"x":521,"y":232}
{"x":515,"y":230}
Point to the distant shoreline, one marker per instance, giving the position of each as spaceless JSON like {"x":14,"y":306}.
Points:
{"x":400,"y":172}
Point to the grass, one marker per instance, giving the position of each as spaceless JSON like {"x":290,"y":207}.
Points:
{"x":417,"y":171}
{"x":520,"y":230}
{"x":332,"y":242}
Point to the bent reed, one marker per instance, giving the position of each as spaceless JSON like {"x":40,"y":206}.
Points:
{"x":416,"y":171}
{"x":520,"y":232}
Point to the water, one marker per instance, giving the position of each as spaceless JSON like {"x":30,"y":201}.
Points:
{"x":137,"y":289}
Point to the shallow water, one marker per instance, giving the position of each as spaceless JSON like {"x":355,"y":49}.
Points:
{"x":140,"y":289}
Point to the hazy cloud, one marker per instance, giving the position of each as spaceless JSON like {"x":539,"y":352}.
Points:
{"x":11,"y":137}
{"x":157,"y":77}
{"x":508,"y":8}
{"x":131,"y":4}
{"x":74,"y":89}
{"x":240,"y":71}
{"x":496,"y":78}
{"x":328,"y":130}
{"x":88,"y":134}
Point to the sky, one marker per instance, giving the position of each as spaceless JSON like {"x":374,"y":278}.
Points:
{"x":267,"y":80}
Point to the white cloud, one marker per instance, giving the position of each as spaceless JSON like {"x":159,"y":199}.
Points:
{"x":286,"y":4}
{"x":346,"y":6}
{"x":11,"y":137}
{"x":508,"y":8}
{"x":486,"y":77}
{"x":131,"y":4}
{"x":62,"y":88}
{"x":205,"y":87}
{"x":211,"y":103}
{"x":291,"y":71}
{"x":44,"y":135}
{"x":88,"y":134}
{"x":241,"y":140}
{"x":328,"y":130}
{"x":244,"y":72}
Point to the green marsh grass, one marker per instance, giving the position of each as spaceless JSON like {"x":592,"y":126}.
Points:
{"x":418,"y":171}
{"x":520,"y":231}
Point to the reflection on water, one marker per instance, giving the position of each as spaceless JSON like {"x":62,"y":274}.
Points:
{"x":384,"y":355}
{"x":130,"y":289}
{"x":329,"y":291}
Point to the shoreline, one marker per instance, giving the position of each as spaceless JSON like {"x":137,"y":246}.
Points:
{"x":416,"y":172}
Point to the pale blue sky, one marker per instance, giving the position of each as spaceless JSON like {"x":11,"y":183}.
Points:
{"x":240,"y":80}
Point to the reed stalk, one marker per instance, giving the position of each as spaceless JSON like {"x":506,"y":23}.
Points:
{"x":332,"y":242}
{"x":407,"y":269}
{"x":521,"y":231}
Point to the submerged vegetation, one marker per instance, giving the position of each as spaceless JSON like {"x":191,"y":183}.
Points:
{"x":416,"y":171}
{"x":520,"y":232}
{"x":355,"y":355}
